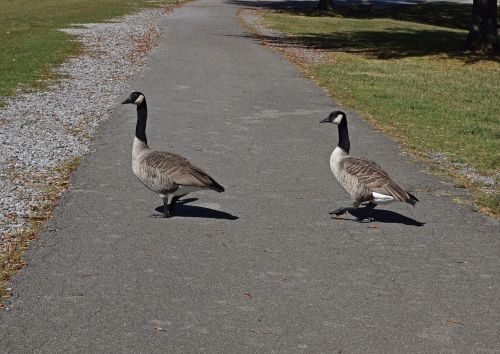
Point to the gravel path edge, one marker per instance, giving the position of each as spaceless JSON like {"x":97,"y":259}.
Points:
{"x":45,"y":133}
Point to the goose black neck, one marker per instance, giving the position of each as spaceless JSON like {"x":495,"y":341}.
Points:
{"x":344,"y":143}
{"x":142,"y":117}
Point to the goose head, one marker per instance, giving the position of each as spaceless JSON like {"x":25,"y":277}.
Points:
{"x":335,"y":117}
{"x":135,"y":97}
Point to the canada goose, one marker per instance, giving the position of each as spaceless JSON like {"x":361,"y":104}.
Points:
{"x":163,"y":172}
{"x":364,"y":180}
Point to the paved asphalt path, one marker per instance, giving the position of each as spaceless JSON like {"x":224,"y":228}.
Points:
{"x":260,"y":268}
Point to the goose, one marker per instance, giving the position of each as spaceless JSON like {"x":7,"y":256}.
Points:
{"x":165,"y":173}
{"x":364,"y":180}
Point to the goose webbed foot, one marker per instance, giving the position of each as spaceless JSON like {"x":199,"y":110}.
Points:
{"x":166,"y":213}
{"x":366,"y":220}
{"x":341,"y":211}
{"x":168,"y":209}
{"x":160,"y":216}
{"x":362,"y":214}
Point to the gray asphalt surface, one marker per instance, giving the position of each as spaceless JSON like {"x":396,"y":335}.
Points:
{"x":260,"y":268}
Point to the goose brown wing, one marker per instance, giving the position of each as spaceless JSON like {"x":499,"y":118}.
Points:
{"x":173,"y":170}
{"x":374,"y":178}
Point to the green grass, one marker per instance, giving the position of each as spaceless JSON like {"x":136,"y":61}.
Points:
{"x":30,"y":42}
{"x":410,"y":79}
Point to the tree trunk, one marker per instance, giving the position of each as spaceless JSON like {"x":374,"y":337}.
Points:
{"x":325,"y":5}
{"x":483,"y":35}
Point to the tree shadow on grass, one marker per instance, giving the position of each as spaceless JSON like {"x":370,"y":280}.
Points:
{"x":399,"y":41}
{"x":305,"y":5}
{"x":395,"y":43}
{"x":443,"y":13}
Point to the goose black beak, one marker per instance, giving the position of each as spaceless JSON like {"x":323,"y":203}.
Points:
{"x":128,"y":100}
{"x":326,"y":120}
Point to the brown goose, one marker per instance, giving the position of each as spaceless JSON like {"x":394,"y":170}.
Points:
{"x":163,"y":172}
{"x":364,"y":180}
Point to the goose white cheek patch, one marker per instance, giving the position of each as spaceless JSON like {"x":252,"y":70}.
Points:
{"x":338,"y":119}
{"x":139,"y":100}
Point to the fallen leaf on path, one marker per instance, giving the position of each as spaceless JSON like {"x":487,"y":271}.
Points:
{"x":465,"y":263}
{"x":159,"y":329}
{"x":247,"y":296}
{"x":455,"y":322}
{"x":258,"y":331}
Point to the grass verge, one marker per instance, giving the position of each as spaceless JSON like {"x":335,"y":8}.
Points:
{"x":402,"y":68}
{"x":30,"y":42}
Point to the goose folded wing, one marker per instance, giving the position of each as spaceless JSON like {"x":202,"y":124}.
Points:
{"x":176,"y":170}
{"x":374,"y":178}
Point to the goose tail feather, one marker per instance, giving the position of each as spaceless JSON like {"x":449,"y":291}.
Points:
{"x":216,"y":187}
{"x":413,"y":200}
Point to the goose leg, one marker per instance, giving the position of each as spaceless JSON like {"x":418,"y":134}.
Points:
{"x":166,"y":207}
{"x":369,"y":208}
{"x":174,"y":200}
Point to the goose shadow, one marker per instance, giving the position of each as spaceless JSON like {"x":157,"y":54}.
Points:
{"x":383,"y":216}
{"x":193,"y":211}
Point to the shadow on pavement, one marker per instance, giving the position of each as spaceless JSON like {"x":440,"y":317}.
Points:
{"x":383,"y":216}
{"x":192,"y":211}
